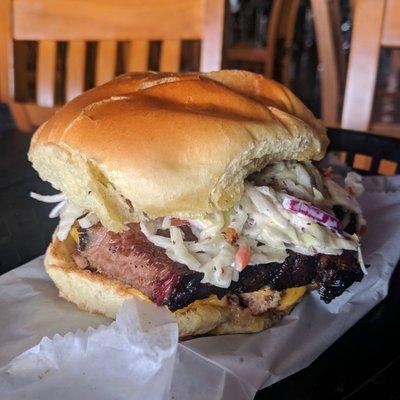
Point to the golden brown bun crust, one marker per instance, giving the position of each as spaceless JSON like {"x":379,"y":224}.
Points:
{"x":93,"y":292}
{"x":171,"y":144}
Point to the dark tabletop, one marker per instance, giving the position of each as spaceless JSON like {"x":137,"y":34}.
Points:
{"x":364,"y":363}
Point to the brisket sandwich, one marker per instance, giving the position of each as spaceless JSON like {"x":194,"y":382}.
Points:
{"x":196,"y":192}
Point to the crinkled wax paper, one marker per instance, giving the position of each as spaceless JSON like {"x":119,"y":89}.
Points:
{"x":134,"y":357}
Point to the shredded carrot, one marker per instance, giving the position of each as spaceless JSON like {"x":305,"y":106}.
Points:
{"x":231,"y":235}
{"x":242,"y":257}
{"x":178,"y":222}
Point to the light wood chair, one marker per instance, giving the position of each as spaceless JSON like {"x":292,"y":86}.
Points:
{"x":376,"y":26}
{"x":77,"y":22}
{"x":281,"y":27}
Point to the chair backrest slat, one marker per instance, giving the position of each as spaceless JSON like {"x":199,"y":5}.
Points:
{"x":213,"y":21}
{"x":376,"y":25}
{"x":65,"y":20}
{"x":170,"y":56}
{"x":137,"y":55}
{"x":325,"y":27}
{"x":75,"y":70}
{"x":6,"y":49}
{"x":391,"y":27}
{"x":363,"y":64}
{"x":46,"y":73}
{"x":134,"y":24}
{"x":106,"y":59}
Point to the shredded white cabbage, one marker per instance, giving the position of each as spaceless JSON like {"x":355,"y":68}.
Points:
{"x":217,"y":272}
{"x":238,"y":218}
{"x":149,"y":229}
{"x":54,"y":198}
{"x":212,"y":224}
{"x":341,"y":196}
{"x":361,"y":261}
{"x":55,"y":211}
{"x":88,"y":220}
{"x":177,"y":251}
{"x":67,"y":212}
{"x":354,"y":182}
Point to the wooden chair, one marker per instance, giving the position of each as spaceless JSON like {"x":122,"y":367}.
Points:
{"x":327,"y":25}
{"x":281,"y":26}
{"x":77,"y":22}
{"x":376,"y":26}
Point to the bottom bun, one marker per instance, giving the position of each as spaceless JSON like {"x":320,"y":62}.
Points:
{"x":95,"y":293}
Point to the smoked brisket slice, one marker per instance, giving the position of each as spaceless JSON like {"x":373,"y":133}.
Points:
{"x":332,"y":274}
{"x":133,"y":260}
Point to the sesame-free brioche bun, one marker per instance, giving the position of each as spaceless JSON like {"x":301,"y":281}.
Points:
{"x":93,"y":292}
{"x":158,"y":144}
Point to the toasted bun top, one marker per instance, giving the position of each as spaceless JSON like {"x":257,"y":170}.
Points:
{"x":160,"y":144}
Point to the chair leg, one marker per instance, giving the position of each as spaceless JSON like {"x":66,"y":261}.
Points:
{"x":21,"y":117}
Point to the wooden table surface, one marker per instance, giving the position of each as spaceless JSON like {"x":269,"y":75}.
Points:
{"x":364,"y":363}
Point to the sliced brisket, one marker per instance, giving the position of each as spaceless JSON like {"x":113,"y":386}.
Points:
{"x":332,"y":274}
{"x":133,"y":260}
{"x":336,"y":273}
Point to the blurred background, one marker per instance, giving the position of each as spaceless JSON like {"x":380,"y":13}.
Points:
{"x":338,"y":56}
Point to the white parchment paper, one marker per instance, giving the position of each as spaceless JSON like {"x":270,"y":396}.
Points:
{"x":132,"y":358}
{"x":224,"y":367}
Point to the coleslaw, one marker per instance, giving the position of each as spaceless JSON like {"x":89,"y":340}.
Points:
{"x":285,"y":207}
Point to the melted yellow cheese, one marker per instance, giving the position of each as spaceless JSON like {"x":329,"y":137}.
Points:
{"x":290,"y":297}
{"x":139,"y":295}
{"x":74,"y":234}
